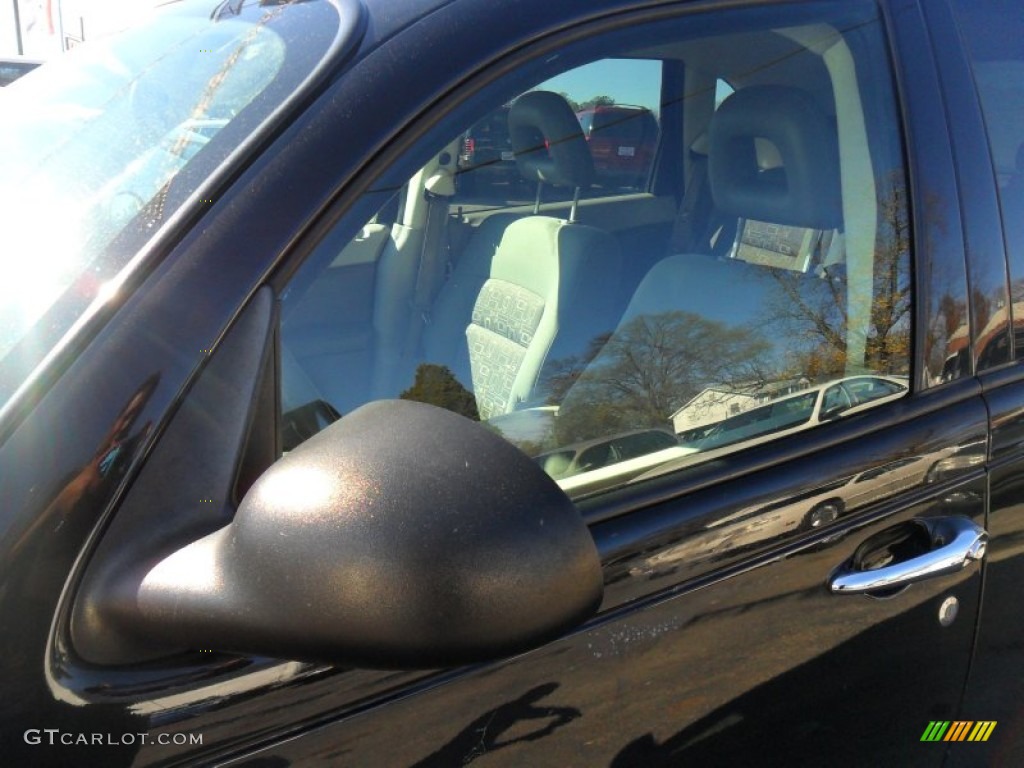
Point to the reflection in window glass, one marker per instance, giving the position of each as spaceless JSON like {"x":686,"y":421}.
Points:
{"x":997,"y":60}
{"x":620,"y":344}
{"x":103,"y":146}
{"x":616,"y":102}
{"x":722,"y":90}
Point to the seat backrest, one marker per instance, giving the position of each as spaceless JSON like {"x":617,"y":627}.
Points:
{"x":807,"y":193}
{"x":522,"y":283}
{"x":730,"y":294}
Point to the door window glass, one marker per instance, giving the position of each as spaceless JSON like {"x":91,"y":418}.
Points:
{"x":593,"y":336}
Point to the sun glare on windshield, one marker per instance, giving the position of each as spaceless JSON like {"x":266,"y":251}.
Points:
{"x":103,"y":145}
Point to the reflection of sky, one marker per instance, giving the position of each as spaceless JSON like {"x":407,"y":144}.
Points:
{"x":628,"y":81}
{"x":531,"y":424}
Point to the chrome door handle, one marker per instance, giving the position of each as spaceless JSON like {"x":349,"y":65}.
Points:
{"x":958,"y":542}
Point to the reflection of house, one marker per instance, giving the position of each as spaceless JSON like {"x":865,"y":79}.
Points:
{"x":720,"y":401}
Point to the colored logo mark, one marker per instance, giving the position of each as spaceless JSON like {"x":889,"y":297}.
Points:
{"x":958,"y":730}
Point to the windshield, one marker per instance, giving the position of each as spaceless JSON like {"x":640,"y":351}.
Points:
{"x":103,"y":146}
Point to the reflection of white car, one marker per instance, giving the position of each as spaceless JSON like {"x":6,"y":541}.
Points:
{"x":816,"y":405}
{"x":591,"y":465}
{"x":867,"y":487}
{"x":623,"y":471}
{"x":595,"y":464}
{"x":594,"y":454}
{"x":757,"y":525}
{"x":864,"y":488}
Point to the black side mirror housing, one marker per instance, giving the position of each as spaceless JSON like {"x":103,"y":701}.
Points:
{"x":401,"y":536}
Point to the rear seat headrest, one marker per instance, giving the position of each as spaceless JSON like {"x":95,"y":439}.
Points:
{"x":805,"y":192}
{"x":562,"y":157}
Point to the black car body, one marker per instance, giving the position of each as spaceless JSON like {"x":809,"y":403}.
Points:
{"x":228,"y":227}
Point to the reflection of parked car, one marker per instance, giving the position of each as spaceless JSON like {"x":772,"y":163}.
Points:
{"x":795,"y":412}
{"x":593,"y":454}
{"x":622,"y":142}
{"x":871,"y":486}
{"x":486,"y":154}
{"x":865,"y":488}
{"x":755,"y":526}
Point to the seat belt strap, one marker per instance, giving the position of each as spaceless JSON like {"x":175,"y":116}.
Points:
{"x":683,"y":234}
{"x":433,"y":258}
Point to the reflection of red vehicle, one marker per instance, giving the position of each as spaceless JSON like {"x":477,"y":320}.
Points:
{"x":487,"y":148}
{"x":622,"y":142}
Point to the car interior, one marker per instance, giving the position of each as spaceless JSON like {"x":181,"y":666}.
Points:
{"x":753,"y":253}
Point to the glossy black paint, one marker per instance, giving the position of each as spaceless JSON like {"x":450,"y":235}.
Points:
{"x":940,"y":280}
{"x":665,"y":674}
{"x":689,"y":652}
{"x":197,"y":496}
{"x":401,"y":536}
{"x":990,"y":322}
{"x":995,"y":682}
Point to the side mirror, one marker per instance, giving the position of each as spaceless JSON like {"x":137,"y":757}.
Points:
{"x":832,"y":413}
{"x":401,"y":536}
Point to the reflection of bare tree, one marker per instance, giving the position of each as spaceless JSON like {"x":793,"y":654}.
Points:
{"x":559,"y":375}
{"x":654,"y":364}
{"x":888,"y":347}
{"x":437,"y":385}
{"x":178,"y":152}
{"x":946,"y":331}
{"x":812,"y":313}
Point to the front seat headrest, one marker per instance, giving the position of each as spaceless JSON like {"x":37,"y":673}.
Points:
{"x":548,"y":141}
{"x":805,"y":192}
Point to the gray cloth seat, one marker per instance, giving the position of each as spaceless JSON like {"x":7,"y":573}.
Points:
{"x":530,"y":286}
{"x":700,"y":300}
